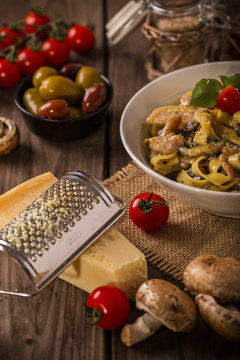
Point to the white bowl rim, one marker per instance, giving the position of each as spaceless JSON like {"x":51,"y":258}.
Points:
{"x":150,"y":171}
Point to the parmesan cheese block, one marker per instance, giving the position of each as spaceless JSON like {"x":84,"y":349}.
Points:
{"x":111,"y":260}
{"x":17,"y":199}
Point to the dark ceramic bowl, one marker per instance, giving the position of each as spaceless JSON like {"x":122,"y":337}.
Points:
{"x":62,"y":129}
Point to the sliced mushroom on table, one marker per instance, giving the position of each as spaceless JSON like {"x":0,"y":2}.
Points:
{"x":9,"y":135}
{"x":218,"y":276}
{"x":164,"y":304}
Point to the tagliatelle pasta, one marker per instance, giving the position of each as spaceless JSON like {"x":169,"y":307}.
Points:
{"x":211,"y":176}
{"x":195,"y":146}
{"x":165,"y":163}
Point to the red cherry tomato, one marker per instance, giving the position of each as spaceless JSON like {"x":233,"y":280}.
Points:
{"x":56,"y":52}
{"x":228,"y":100}
{"x":108,"y":306}
{"x":80,"y":39}
{"x":10,"y":73}
{"x":148,"y":212}
{"x":32,"y":19}
{"x":30,"y":60}
{"x":12,"y":38}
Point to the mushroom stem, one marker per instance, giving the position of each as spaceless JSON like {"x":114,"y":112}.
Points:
{"x":145,"y":326}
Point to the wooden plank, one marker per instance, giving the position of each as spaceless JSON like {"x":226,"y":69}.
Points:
{"x":35,"y":155}
{"x":53,"y":324}
{"x":164,"y":343}
{"x":127,"y":73}
{"x":202,"y":343}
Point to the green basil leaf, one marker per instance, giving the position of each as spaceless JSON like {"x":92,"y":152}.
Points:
{"x":225,"y":80}
{"x":233,"y":80}
{"x":205,"y":93}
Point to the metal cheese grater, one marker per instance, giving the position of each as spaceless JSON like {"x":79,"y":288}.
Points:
{"x":57,"y":227}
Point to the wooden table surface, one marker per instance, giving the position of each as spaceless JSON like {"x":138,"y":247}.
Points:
{"x":53,"y":324}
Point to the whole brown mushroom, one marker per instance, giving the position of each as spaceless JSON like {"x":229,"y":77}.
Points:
{"x":225,"y":321}
{"x":218,"y":276}
{"x":164,"y":304}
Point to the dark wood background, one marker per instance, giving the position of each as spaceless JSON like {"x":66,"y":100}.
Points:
{"x":53,"y":325}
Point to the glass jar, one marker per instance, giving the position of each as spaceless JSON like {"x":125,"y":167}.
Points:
{"x":180,"y":33}
{"x":232,"y":36}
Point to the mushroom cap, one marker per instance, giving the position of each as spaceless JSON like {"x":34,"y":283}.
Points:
{"x":168,"y":304}
{"x":224,"y":321}
{"x":218,"y":276}
{"x":9,"y":135}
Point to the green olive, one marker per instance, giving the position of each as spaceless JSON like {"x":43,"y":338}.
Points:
{"x":60,"y":87}
{"x":74,"y":112}
{"x":42,"y":73}
{"x":87,"y":76}
{"x":32,"y":100}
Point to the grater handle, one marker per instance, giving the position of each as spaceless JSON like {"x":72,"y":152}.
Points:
{"x":124,"y":204}
{"x":6,"y":292}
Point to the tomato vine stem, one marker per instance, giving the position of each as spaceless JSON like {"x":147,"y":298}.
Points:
{"x":53,"y":24}
{"x":147,"y":204}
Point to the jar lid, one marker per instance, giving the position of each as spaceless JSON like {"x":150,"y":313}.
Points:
{"x":134,"y":12}
{"x":174,"y":5}
{"x":126,"y":20}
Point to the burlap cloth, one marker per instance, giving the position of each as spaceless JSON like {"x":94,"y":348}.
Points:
{"x":188,"y":233}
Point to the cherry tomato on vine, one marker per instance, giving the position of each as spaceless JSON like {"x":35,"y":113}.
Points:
{"x":80,"y":38}
{"x":37,"y":19}
{"x":56,"y":52}
{"x":228,"y":100}
{"x":149,"y":211}
{"x":14,"y":34}
{"x":30,"y":60}
{"x":108,"y":307}
{"x":10,"y":73}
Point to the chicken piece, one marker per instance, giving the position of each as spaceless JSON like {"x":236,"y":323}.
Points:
{"x":185,"y":99}
{"x":172,"y":125}
{"x":227,"y":167}
{"x":230,"y":149}
{"x":160,"y":115}
{"x":166,"y":144}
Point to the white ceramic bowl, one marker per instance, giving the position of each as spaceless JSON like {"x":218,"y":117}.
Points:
{"x":167,"y":90}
